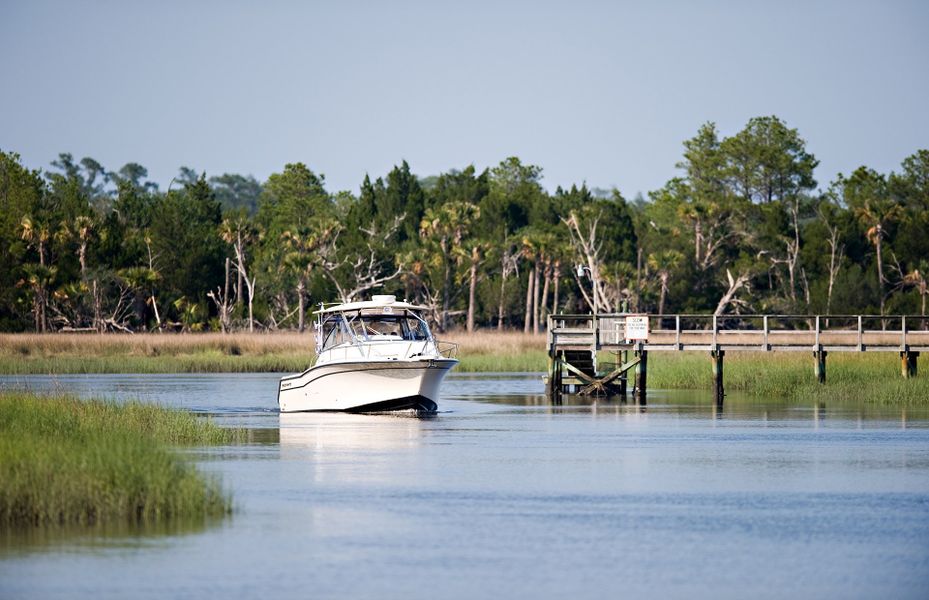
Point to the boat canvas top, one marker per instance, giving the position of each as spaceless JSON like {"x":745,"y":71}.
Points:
{"x":385,"y":303}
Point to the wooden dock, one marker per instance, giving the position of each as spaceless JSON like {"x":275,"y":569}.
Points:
{"x":575,"y":339}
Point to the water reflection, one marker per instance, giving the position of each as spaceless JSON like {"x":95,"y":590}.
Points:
{"x":738,"y":407}
{"x":338,"y":432}
{"x":120,"y":535}
{"x":350,"y":447}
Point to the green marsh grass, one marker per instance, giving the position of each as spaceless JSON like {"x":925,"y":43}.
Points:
{"x":65,"y":461}
{"x":873,"y":377}
{"x":64,"y":353}
{"x":496,"y":351}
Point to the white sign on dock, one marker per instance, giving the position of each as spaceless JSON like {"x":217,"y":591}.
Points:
{"x":637,"y":327}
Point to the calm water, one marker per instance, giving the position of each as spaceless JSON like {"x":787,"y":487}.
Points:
{"x":503,"y":495}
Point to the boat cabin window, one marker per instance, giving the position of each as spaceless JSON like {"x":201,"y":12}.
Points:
{"x":335,"y":333}
{"x":371,"y":327}
{"x":379,"y":326}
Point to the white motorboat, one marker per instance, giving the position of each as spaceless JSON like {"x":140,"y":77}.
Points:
{"x":375,"y":355}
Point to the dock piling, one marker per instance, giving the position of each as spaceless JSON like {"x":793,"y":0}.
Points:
{"x":641,"y":376}
{"x":908,"y":360}
{"x":718,"y":389}
{"x":819,"y":366}
{"x":624,"y":378}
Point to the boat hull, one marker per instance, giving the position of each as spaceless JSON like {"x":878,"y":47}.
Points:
{"x":368,"y":386}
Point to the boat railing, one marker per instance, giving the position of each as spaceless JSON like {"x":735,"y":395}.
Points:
{"x":447,"y":349}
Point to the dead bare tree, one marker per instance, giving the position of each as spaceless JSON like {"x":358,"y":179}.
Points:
{"x":735,"y":285}
{"x":587,"y":249}
{"x":836,"y":254}
{"x":366,"y":269}
{"x":221,"y":299}
{"x":121,"y":311}
{"x":509,"y":265}
{"x":239,"y":233}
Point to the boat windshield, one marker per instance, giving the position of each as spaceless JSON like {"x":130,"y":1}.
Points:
{"x":371,"y":327}
{"x":375,"y":327}
{"x":335,"y":333}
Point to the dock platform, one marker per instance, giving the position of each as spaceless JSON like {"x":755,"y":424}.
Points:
{"x":574,"y":341}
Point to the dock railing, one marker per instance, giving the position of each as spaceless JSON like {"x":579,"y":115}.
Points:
{"x":754,"y":333}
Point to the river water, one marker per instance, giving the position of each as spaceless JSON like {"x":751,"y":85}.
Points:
{"x":502,"y":494}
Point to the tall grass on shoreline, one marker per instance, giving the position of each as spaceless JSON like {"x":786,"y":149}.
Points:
{"x":873,"y":377}
{"x":495,"y":351}
{"x":67,"y":461}
{"x":283,"y":352}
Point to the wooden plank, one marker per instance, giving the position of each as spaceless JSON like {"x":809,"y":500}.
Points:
{"x":587,"y":378}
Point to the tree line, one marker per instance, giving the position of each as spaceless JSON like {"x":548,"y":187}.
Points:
{"x":743,"y":228}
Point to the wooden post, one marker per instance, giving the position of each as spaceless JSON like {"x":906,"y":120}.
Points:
{"x":765,"y":346}
{"x":641,"y":376}
{"x":718,"y":390}
{"x":908,"y":360}
{"x":551,"y":372}
{"x":624,"y":378}
{"x":903,"y":332}
{"x":819,"y":366}
{"x":860,"y":347}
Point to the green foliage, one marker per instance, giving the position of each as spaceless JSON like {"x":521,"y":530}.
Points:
{"x":184,"y":239}
{"x":742,"y":228}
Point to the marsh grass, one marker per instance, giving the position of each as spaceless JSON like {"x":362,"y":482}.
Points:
{"x":874,"y":377}
{"x":63,"y":353}
{"x":65,"y":461}
{"x":494,"y":351}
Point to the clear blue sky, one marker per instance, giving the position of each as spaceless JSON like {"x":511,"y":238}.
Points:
{"x":602,"y":92}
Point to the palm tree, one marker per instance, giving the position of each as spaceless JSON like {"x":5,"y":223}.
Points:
{"x":664,"y":263}
{"x":83,"y":227}
{"x":876,"y":215}
{"x":301,"y":257}
{"x":866,"y":193}
{"x":36,"y":235}
{"x":444,"y":227}
{"x":529,"y":251}
{"x":140,"y":280}
{"x":38,"y":278}
{"x":189,"y":313}
{"x":917,"y":278}
{"x":473,"y":253}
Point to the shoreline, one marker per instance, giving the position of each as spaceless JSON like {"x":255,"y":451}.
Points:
{"x":873,"y":376}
